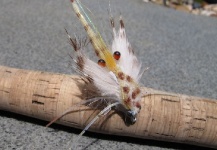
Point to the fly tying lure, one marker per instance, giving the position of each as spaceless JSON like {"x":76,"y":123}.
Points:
{"x":117,"y":73}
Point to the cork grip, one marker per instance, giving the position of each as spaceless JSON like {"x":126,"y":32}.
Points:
{"x":164,"y":116}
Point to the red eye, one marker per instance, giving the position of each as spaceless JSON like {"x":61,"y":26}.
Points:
{"x":101,"y":62}
{"x":117,"y":55}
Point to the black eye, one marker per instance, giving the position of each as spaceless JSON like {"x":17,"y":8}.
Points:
{"x":131,"y":116}
{"x":102,"y":63}
{"x":117,"y":55}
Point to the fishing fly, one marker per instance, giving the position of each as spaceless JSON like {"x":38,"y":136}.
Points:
{"x":116,"y":74}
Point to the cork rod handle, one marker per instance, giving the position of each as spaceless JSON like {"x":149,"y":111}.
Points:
{"x":164,"y":116}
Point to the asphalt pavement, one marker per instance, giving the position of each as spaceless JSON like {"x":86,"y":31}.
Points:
{"x":180,"y":49}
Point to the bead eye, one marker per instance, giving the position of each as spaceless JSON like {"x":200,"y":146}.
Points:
{"x":102,"y":63}
{"x":132,"y":116}
{"x":117,"y":55}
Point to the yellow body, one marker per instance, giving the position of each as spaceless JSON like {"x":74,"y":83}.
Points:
{"x":99,"y":45}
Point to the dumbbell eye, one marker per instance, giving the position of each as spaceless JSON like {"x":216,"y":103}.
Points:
{"x":102,"y":63}
{"x":117,"y":55}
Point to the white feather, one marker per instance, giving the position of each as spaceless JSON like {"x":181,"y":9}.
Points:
{"x":128,"y":62}
{"x":105,"y":81}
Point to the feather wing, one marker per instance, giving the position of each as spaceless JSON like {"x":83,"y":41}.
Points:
{"x":103,"y":79}
{"x":128,"y":62}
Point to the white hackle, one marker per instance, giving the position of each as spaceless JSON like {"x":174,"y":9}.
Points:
{"x":102,"y":79}
{"x":128,"y":62}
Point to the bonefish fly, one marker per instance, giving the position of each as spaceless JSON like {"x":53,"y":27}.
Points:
{"x":116,"y":74}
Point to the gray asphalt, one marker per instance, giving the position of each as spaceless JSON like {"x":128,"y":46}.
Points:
{"x":179,"y":48}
